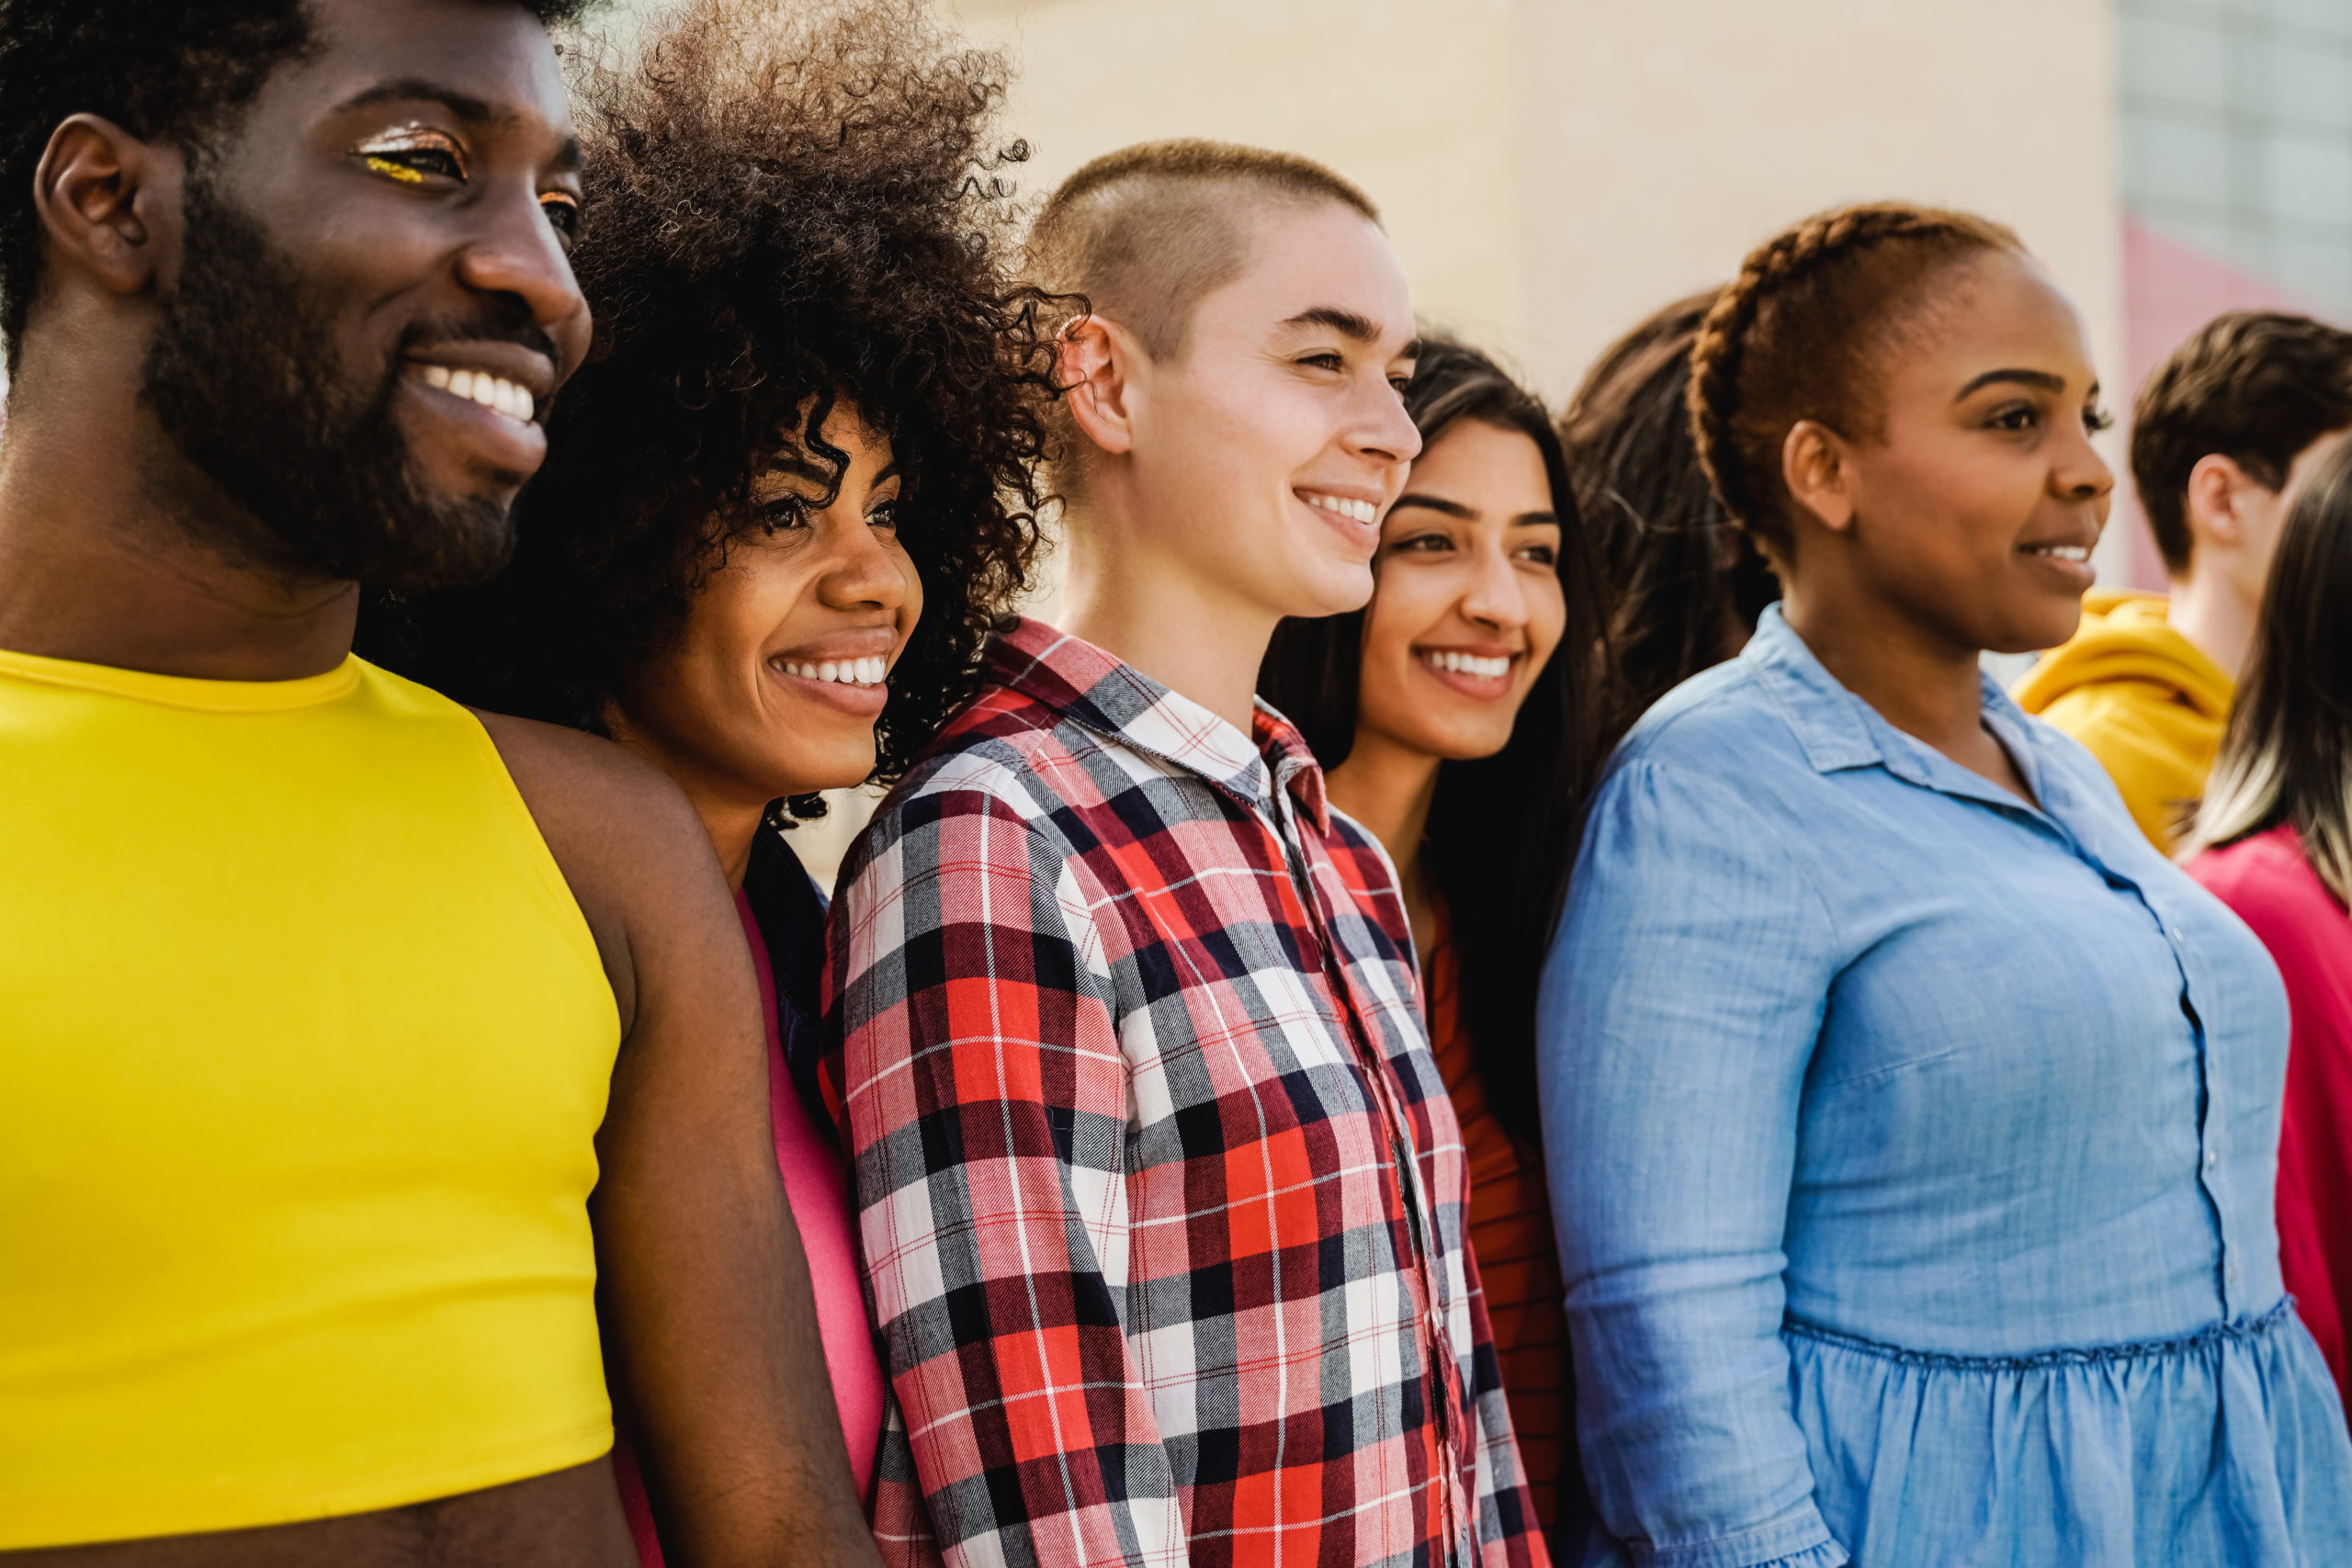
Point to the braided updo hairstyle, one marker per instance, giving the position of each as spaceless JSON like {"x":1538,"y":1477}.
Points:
{"x":1800,"y":333}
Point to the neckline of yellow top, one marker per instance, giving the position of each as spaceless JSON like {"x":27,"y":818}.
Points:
{"x":187,"y":690}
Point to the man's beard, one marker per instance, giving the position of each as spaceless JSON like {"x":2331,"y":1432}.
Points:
{"x":311,"y":467}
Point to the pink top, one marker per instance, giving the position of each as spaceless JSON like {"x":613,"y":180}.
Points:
{"x":2273,"y":889}
{"x":816,"y":1182}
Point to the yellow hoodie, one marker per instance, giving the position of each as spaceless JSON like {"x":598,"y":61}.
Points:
{"x":2146,"y":702}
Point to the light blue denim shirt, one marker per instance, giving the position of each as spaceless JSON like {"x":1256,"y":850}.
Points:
{"x":1911,"y":1153}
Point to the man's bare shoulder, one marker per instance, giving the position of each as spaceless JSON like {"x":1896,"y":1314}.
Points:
{"x":629,"y":845}
{"x":591,"y":793}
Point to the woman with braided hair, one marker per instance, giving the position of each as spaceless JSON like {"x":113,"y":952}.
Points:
{"x":1910,"y":1121}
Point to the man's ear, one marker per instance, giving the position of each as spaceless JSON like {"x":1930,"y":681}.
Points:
{"x":1813,"y":464}
{"x":92,"y":192}
{"x":2215,"y":502}
{"x":1096,"y":365}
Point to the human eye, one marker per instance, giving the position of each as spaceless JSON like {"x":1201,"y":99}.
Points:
{"x":562,"y":209}
{"x":780,"y":513}
{"x":2015,"y":417}
{"x":1324,"y":359}
{"x":1430,"y":544}
{"x":883,"y":513}
{"x":1540,"y":555}
{"x":414,"y":155}
{"x":2096,"y":419}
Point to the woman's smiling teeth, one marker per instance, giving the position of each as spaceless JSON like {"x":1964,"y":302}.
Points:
{"x":848,"y":671}
{"x":2076,"y":553}
{"x":493,"y":392}
{"x":1358,"y":511}
{"x":1467,"y":663}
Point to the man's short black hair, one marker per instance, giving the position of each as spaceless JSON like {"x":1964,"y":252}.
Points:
{"x":2255,"y":387}
{"x":160,"y":70}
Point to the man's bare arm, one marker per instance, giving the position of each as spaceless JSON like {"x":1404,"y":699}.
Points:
{"x":709,"y":1319}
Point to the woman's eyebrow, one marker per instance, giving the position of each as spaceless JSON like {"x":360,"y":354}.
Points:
{"x":1435,"y":504}
{"x":2042,"y":381}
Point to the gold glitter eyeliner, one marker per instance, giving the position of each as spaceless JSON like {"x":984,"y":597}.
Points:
{"x":389,"y":153}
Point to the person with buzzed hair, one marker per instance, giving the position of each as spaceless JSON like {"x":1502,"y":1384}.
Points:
{"x":1160,"y":1193}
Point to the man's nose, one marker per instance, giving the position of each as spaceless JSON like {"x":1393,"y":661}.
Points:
{"x":521,"y":257}
{"x":1385,"y":431}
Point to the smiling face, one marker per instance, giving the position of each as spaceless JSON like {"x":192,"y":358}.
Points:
{"x":1467,"y":607}
{"x":772,"y":686}
{"x":1265,"y":453}
{"x":374,"y":303}
{"x":1975,"y":512}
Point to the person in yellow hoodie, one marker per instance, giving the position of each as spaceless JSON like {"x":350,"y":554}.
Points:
{"x":2222,"y":432}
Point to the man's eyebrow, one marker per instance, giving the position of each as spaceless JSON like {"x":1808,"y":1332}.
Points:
{"x":2042,"y":381}
{"x":1434,"y":504}
{"x":417,"y":89}
{"x":1347,"y":324}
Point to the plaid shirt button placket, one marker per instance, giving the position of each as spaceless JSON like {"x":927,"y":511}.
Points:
{"x":1160,"y":1192}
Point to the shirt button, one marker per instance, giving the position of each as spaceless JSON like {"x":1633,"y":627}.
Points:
{"x":2212,"y":1159}
{"x":2230,"y":1272}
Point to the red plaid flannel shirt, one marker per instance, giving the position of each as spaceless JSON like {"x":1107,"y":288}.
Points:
{"x":1159,"y":1194}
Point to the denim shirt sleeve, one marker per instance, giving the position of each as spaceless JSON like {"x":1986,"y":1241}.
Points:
{"x":1679,"y":1011}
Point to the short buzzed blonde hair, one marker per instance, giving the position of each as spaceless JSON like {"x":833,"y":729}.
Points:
{"x":1146,"y":233}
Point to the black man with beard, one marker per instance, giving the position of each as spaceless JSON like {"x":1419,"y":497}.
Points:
{"x":358,"y":1048}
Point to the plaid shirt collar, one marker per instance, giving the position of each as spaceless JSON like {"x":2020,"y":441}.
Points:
{"x":1096,"y":689}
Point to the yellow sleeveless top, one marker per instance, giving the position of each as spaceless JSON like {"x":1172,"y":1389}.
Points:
{"x":303,"y":1044}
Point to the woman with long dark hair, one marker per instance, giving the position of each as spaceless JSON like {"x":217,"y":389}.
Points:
{"x":789,"y":497}
{"x":1686,"y":586}
{"x":1455,"y":716}
{"x":1911,"y":1119}
{"x":2273,"y":840}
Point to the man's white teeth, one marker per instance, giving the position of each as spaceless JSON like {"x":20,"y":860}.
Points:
{"x":1361,"y":511}
{"x":1469,"y":664}
{"x":847,"y":672}
{"x":2063,"y":552}
{"x":491,"y":391}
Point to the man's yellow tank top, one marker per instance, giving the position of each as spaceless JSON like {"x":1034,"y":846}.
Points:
{"x":303,"y":1045}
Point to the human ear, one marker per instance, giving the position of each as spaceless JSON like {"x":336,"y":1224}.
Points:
{"x":93,"y":190}
{"x":1095,"y":363}
{"x":2212,"y":503}
{"x":1813,"y":465}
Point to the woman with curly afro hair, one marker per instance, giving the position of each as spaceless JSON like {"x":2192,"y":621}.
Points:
{"x":789,"y":495}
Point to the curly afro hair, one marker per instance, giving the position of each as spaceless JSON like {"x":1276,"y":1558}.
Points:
{"x":789,"y":210}
{"x":178,"y":72}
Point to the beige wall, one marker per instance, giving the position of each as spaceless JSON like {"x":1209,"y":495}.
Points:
{"x":1553,"y":169}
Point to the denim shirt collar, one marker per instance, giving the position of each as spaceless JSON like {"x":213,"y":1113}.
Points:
{"x":1838,"y":729}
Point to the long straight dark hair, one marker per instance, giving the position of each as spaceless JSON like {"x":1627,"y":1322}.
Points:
{"x":1501,"y":828}
{"x":2287,"y":756}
